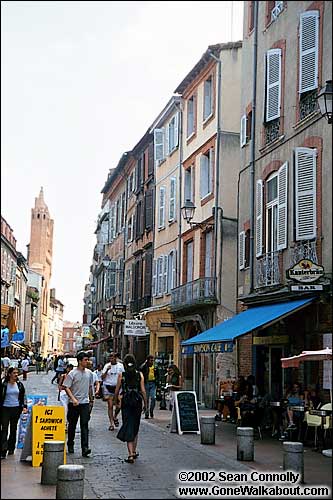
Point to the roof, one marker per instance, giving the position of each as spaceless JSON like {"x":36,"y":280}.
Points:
{"x":251,"y":319}
{"x":204,"y":60}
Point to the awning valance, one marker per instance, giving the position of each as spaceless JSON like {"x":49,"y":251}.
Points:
{"x":251,"y":319}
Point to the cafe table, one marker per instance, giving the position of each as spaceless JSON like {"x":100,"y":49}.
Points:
{"x":323,"y":414}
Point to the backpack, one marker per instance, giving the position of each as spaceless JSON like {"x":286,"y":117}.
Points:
{"x":131,"y":395}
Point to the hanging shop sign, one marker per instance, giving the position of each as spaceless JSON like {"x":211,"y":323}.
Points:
{"x":212,"y":348}
{"x":18,"y":336}
{"x":118,"y":314}
{"x":86,"y":332}
{"x":306,"y":288}
{"x":273,"y":339}
{"x":305,"y":271}
{"x":4,"y":338}
{"x":135,"y":327}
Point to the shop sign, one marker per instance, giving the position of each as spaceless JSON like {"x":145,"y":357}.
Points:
{"x":305,"y":271}
{"x":48,"y":424}
{"x":86,"y":333}
{"x":119,"y":314}
{"x":306,"y":288}
{"x":274,"y":339}
{"x":217,"y":347}
{"x":135,"y":327}
{"x":18,"y":336}
{"x":164,"y":324}
{"x":4,"y":338}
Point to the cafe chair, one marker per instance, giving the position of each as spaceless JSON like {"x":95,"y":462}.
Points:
{"x":328,"y":419}
{"x":312,"y":421}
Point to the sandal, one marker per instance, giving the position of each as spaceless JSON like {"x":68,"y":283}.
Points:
{"x":130,"y":459}
{"x":116,"y":422}
{"x":111,"y":428}
{"x":136,"y":454}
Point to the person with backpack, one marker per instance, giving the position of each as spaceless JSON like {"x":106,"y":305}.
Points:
{"x":131,"y":382}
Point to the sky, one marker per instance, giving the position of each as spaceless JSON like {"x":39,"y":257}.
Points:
{"x":81,"y":82}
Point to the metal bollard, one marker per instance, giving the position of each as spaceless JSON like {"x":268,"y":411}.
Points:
{"x":70,"y":482}
{"x":207,"y":430}
{"x":52,"y":457}
{"x":293,"y":457}
{"x":245,"y":443}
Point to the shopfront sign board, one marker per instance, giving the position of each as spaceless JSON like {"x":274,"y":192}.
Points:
{"x":273,"y":339}
{"x":210,"y":348}
{"x":305,"y":271}
{"x":306,"y":288}
{"x":187,"y":412}
{"x":135,"y":327}
{"x":48,"y":424}
{"x":118,"y":314}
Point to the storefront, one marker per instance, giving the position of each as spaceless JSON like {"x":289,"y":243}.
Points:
{"x":164,"y":337}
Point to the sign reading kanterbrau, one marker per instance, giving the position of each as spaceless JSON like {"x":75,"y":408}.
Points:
{"x":135,"y":327}
{"x":305,"y":271}
{"x":48,"y":423}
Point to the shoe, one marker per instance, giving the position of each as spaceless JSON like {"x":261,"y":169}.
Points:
{"x":291,"y":426}
{"x":274,"y":433}
{"x":3,"y":454}
{"x":136,"y":454}
{"x":70,"y":449}
{"x":10,"y":452}
{"x":151,"y":414}
{"x":111,"y":428}
{"x":86,"y":452}
{"x":130,"y":459}
{"x":146,"y":416}
{"x":116,"y":422}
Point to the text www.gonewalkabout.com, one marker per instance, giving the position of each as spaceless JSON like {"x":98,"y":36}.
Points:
{"x":253,"y":484}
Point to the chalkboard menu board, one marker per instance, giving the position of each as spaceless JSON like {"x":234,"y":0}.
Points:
{"x":187,"y":412}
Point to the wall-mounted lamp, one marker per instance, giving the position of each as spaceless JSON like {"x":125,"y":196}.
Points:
{"x":325,"y":101}
{"x":188,"y":213}
{"x":106,"y":261}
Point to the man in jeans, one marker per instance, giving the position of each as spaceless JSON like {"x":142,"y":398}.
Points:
{"x":150,"y":374}
{"x":79,"y":386}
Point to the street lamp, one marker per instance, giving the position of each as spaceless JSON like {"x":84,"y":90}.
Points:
{"x":106,"y":261}
{"x":325,"y":101}
{"x":188,"y":213}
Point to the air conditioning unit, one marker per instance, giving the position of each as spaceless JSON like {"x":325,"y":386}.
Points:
{"x":277,"y":10}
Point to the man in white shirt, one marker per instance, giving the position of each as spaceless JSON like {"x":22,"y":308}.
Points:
{"x":25,"y":367}
{"x":110,"y":376}
{"x":5,"y":362}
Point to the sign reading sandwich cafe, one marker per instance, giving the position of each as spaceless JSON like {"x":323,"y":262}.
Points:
{"x":306,"y":272}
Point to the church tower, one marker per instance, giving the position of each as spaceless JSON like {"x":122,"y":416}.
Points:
{"x":40,"y":261}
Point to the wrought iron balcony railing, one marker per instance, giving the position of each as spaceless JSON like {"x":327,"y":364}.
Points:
{"x":304,"y":250}
{"x":267,"y":270}
{"x":200,"y":291}
{"x":308,"y":104}
{"x":138,"y":304}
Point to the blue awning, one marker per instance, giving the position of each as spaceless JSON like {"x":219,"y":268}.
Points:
{"x":244,"y":322}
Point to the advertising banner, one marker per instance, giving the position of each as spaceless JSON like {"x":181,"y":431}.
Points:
{"x":135,"y":327}
{"x":48,"y":424}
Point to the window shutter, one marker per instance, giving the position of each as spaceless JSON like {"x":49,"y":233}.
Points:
{"x":113,"y":265}
{"x":165,"y":274}
{"x":211,"y":169}
{"x":305,"y":179}
{"x":259,"y":218}
{"x":151,"y":158}
{"x":174,"y":269}
{"x":172,"y":199}
{"x":176,"y":130}
{"x":309,"y":37}
{"x":159,"y":144}
{"x":282,"y":215}
{"x":149,"y":209}
{"x":204,"y":175}
{"x":243,"y":131}
{"x":166,"y":131}
{"x":154,"y":291}
{"x":160,"y":275}
{"x":241,"y":250}
{"x":273,"y":84}
{"x":161,"y":219}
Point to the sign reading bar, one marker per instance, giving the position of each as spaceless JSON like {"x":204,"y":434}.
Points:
{"x":305,"y":271}
{"x":119,"y":314}
{"x":306,"y":288}
{"x":215,"y":347}
{"x":187,"y":412}
{"x":135,"y":327}
{"x":48,"y":424}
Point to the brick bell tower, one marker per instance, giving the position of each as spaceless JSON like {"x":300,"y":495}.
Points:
{"x":40,"y":261}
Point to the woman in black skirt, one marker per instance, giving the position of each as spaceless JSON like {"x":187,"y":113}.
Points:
{"x":132,"y":384}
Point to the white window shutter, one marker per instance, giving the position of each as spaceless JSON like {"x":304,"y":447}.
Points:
{"x":282,"y":214}
{"x":305,"y":188}
{"x":273,"y":84}
{"x":159,"y":144}
{"x":308,"y":50}
{"x":160,"y":275}
{"x":259,"y":235}
{"x":166,"y":132}
{"x":172,"y":199}
{"x":176,"y":129}
{"x":174,"y":269}
{"x":243,"y":131}
{"x":154,"y":284}
{"x":204,"y":175}
{"x":241,"y":250}
{"x":161,"y":214}
{"x":165,"y":274}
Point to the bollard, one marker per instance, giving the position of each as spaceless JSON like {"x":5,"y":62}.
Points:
{"x":70,"y":482}
{"x":207,"y":430}
{"x":245,"y":443}
{"x":293,"y":457}
{"x":52,"y":457}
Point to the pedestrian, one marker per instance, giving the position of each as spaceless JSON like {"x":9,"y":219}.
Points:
{"x":5,"y":363}
{"x":131,"y":382}
{"x":13,"y":402}
{"x":79,"y":387}
{"x":110,"y":376}
{"x":39,"y":360}
{"x":98,"y":373}
{"x":62,"y":395}
{"x":49,"y":364}
{"x":174,"y":383}
{"x":25,"y":367}
{"x":150,"y":375}
{"x":59,"y":369}
{"x":96,"y":384}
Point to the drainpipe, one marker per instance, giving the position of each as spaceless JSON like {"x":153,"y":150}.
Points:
{"x":180,"y":128}
{"x":252,"y":153}
{"x":217,"y":165}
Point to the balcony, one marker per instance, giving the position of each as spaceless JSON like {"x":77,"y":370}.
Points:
{"x":304,"y":250}
{"x":308,"y":104}
{"x":199,"y":292}
{"x":267,"y":270}
{"x":138,"y":304}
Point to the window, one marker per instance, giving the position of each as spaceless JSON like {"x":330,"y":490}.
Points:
{"x":172,"y":269}
{"x":130,"y":229}
{"x":206,"y":173}
{"x":305,"y":193}
{"x":271,"y":213}
{"x":68,"y":335}
{"x":172,"y":134}
{"x":245,"y":128}
{"x":274,"y":10}
{"x":189,"y":184}
{"x":172,"y":200}
{"x":128,"y":286}
{"x":149,"y":209}
{"x":251,"y":16}
{"x":208,"y":254}
{"x":273,"y":84}
{"x":160,"y":274}
{"x":189,"y":261}
{"x":159,"y":145}
{"x":308,"y":62}
{"x":161,"y":211}
{"x":208,"y":98}
{"x":190,"y":116}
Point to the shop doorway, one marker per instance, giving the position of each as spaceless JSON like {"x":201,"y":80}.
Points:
{"x":269,"y":374}
{"x":205,"y":375}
